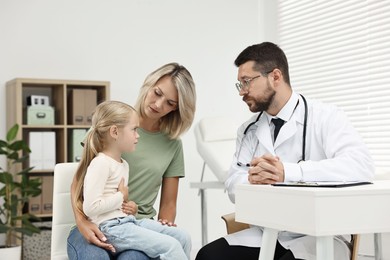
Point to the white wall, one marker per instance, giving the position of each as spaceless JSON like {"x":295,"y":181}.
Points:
{"x":121,"y":42}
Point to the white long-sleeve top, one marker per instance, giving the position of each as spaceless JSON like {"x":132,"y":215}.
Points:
{"x":102,"y":200}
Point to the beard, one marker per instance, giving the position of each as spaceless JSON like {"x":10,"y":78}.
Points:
{"x":264,"y":103}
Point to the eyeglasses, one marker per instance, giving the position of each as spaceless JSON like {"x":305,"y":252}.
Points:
{"x":246,"y":82}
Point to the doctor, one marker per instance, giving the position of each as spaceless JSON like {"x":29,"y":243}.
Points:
{"x":288,"y":139}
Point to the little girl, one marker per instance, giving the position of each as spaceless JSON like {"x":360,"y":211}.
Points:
{"x":102,"y":177}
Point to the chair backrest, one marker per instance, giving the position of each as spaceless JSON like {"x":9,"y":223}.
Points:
{"x":63,"y":218}
{"x":215,"y":142}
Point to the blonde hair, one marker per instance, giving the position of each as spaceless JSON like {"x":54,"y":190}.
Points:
{"x":178,"y":121}
{"x":106,"y":114}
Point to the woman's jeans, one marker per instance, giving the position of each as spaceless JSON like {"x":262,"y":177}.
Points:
{"x":148,"y":236}
{"x":80,"y":249}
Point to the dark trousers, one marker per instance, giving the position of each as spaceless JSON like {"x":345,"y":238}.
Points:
{"x":221,"y":250}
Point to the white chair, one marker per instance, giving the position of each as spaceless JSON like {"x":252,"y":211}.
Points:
{"x":63,"y":218}
{"x":215,"y":142}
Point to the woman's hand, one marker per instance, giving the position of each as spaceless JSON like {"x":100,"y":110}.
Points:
{"x":167,"y":212}
{"x":166,"y":222}
{"x":93,"y":235}
{"x":130,"y":208}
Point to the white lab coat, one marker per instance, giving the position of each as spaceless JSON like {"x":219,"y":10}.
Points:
{"x":334,"y":152}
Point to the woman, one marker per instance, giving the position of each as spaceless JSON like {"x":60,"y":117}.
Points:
{"x":166,"y":105}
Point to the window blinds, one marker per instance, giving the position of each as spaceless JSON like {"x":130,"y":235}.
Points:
{"x":339,"y":52}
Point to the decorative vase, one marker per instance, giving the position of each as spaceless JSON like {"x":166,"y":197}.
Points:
{"x":11,"y":253}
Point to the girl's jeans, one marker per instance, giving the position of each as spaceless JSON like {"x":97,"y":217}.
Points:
{"x":149,"y":236}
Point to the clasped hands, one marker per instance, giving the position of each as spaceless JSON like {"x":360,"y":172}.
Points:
{"x":266,"y":169}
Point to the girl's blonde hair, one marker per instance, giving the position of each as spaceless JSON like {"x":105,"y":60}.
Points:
{"x":178,"y":121}
{"x":106,"y":114}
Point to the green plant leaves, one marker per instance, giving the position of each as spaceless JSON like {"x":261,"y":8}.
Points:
{"x":17,"y":189}
{"x":6,"y":178}
{"x":3,"y":147}
{"x":11,"y":135}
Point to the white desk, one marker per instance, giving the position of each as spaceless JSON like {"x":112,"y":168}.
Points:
{"x":320,"y":212}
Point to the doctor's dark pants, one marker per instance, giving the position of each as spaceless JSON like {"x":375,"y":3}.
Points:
{"x":220,"y":249}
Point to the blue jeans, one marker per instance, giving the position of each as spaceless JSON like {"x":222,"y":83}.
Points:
{"x":148,"y":236}
{"x":79,"y":249}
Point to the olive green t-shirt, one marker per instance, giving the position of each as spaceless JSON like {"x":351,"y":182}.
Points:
{"x":155,"y":157}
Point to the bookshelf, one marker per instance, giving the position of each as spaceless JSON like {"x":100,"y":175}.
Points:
{"x":62,"y":98}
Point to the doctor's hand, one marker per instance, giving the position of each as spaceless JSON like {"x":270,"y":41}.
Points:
{"x":266,"y":169}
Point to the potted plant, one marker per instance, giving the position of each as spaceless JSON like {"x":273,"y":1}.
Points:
{"x":15,"y":190}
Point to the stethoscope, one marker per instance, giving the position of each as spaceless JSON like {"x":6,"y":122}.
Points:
{"x":257,"y":119}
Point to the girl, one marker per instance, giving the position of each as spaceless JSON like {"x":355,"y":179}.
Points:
{"x":102,"y":179}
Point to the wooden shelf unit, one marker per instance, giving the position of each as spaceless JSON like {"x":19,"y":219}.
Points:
{"x":17,"y":91}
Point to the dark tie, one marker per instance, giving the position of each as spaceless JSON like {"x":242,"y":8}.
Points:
{"x":278,"y":124}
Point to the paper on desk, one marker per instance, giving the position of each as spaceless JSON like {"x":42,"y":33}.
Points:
{"x":331,"y":184}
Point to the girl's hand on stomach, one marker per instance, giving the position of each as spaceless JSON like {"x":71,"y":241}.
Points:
{"x":124,"y":190}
